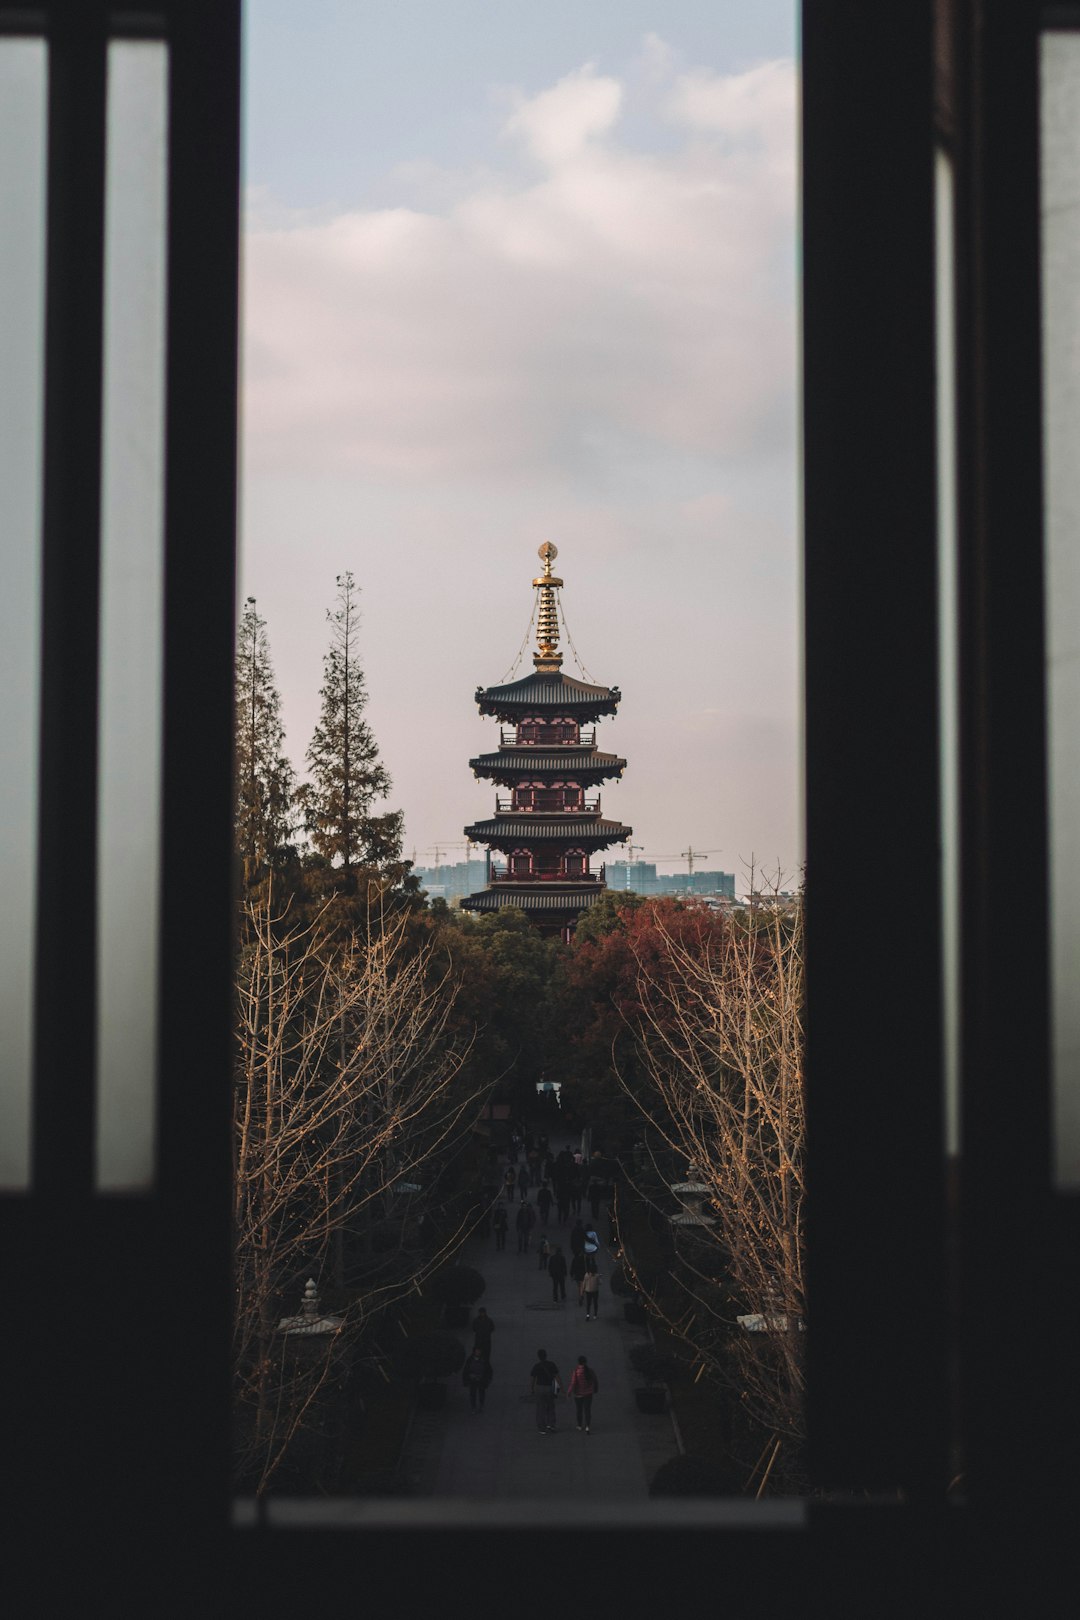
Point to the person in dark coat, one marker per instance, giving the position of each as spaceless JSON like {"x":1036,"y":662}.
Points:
{"x":557,"y":1273}
{"x":562,"y":1201}
{"x":543,"y":1202}
{"x":524,"y":1177}
{"x":577,"y":1238}
{"x":509,"y":1181}
{"x":476,"y":1376}
{"x":577,"y":1272}
{"x":577,"y":1191}
{"x":526,"y":1220}
{"x":500,"y":1221}
{"x":483,"y":1327}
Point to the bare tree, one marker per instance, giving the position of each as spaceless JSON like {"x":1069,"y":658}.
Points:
{"x":719,"y":1023}
{"x":347,"y":1085}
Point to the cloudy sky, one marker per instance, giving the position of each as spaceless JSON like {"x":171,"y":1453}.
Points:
{"x":517,"y":273}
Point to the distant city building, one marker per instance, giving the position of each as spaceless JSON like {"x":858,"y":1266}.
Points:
{"x":452,"y":883}
{"x":641,"y":877}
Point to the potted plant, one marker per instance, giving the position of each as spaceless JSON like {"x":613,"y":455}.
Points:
{"x":457,"y":1289}
{"x":654,"y":1366}
{"x":429,"y":1358}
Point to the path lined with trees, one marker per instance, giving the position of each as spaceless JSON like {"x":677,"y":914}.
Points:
{"x":500,"y":1454}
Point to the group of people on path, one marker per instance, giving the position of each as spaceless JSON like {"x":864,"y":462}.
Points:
{"x":546,"y":1387}
{"x":568,"y":1171}
{"x":561,"y":1181}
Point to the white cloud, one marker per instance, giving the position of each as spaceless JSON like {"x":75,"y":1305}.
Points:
{"x":516,"y":326}
{"x":559,"y":123}
{"x":759,"y":103}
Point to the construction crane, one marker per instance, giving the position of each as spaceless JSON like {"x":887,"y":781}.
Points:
{"x":689,"y":856}
{"x":443,"y":847}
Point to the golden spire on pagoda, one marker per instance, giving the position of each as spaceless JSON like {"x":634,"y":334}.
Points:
{"x":547,"y":617}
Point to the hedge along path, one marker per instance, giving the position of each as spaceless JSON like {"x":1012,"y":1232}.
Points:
{"x":499,"y":1454}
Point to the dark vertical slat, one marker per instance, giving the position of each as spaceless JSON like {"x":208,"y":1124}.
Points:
{"x":67,"y":859}
{"x":197,"y":880}
{"x":1009,"y":1383}
{"x":49,"y":1237}
{"x":876,"y":1359}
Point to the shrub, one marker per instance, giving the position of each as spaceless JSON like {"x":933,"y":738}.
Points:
{"x":697,"y":1476}
{"x":457,"y":1285}
{"x":431,"y":1355}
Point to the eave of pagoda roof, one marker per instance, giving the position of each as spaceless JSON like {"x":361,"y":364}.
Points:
{"x":535,"y":829}
{"x":548,"y":689}
{"x":546,"y":897}
{"x":555,"y":762}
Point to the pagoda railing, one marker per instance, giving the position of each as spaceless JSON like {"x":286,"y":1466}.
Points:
{"x":507,"y":807}
{"x":508,"y":738}
{"x":593,"y":876}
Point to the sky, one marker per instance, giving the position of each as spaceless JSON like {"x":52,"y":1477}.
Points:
{"x":517,"y":273}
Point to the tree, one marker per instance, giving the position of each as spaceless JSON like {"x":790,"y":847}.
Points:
{"x":346,"y":774}
{"x":347,"y":1087}
{"x":264,"y":777}
{"x":719,"y":1030}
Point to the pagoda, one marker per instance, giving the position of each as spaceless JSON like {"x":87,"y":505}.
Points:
{"x":545,"y":826}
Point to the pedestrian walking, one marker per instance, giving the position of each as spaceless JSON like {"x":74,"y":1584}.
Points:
{"x":590,"y":1288}
{"x":576,"y":1190}
{"x":525,"y":1221}
{"x":483,"y":1327}
{"x":545,"y":1386}
{"x":523,"y":1180}
{"x":476,"y":1376}
{"x":583,"y":1385}
{"x":545,"y":1252}
{"x":562,"y":1202}
{"x":500,"y":1222}
{"x":577,"y":1272}
{"x":577,"y":1238}
{"x":544,"y":1202}
{"x":557,"y":1273}
{"x":509,"y":1180}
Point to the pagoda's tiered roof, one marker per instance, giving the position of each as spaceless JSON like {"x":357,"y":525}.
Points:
{"x":579,"y":763}
{"x":548,"y":689}
{"x":504,"y":831}
{"x":533,"y":897}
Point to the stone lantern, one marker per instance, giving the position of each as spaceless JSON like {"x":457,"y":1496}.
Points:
{"x":309,"y":1324}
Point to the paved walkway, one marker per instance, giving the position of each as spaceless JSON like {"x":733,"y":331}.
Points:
{"x":499,"y":1454}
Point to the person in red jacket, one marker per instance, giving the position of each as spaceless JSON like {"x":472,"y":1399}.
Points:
{"x":583,"y":1385}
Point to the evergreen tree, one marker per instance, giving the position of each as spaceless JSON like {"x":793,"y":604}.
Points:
{"x":264,"y":777}
{"x":346,"y":774}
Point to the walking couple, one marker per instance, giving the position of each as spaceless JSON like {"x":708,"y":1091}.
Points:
{"x":546,"y":1385}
